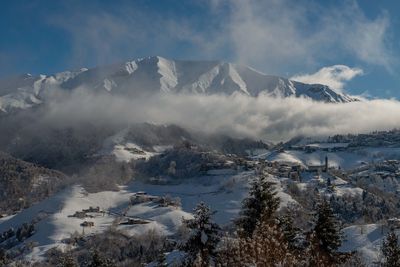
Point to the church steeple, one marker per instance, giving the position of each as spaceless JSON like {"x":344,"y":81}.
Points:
{"x":326,"y":163}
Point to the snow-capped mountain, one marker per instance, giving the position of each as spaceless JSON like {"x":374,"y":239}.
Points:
{"x":155,"y":74}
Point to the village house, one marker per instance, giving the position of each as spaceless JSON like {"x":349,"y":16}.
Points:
{"x":87,"y":224}
{"x":319,"y":168}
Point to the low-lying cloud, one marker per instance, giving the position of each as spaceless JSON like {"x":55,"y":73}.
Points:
{"x":334,"y":76}
{"x":237,"y":115}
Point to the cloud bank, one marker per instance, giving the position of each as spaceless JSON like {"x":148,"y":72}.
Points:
{"x":263,"y":117}
{"x":334,"y":76}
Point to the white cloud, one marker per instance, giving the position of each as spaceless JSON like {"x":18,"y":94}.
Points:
{"x":365,"y":39}
{"x":260,"y":117}
{"x":334,"y":76}
{"x":274,"y":36}
{"x":104,"y":37}
{"x":302,"y":33}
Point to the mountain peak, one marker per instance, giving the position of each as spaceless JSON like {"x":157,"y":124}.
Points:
{"x":159,"y":74}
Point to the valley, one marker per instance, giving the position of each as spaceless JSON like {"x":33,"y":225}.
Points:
{"x":170,"y":176}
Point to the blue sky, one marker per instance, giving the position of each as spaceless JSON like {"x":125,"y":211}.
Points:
{"x":287,"y":37}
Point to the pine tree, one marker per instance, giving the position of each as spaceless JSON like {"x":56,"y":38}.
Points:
{"x":267,"y":247}
{"x":67,"y":260}
{"x":326,"y":228}
{"x":329,"y":185}
{"x":203,"y":238}
{"x":161,"y":260}
{"x":328,"y":182}
{"x":391,"y":250}
{"x":262,"y":203}
{"x":290,"y":232}
{"x":99,"y":260}
{"x":3,"y":257}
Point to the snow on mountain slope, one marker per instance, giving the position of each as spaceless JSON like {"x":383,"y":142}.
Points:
{"x":56,"y":222}
{"x":346,"y":158}
{"x":130,"y":151}
{"x":343,"y":159}
{"x":223,"y":191}
{"x":167,"y":70}
{"x":155,"y":74}
{"x":18,"y":100}
{"x":142,"y":141}
{"x":26,"y":91}
{"x":367,"y":240}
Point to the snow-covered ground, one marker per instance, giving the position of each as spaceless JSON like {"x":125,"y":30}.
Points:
{"x":130,"y":151}
{"x":343,"y":159}
{"x":347,"y":159}
{"x":366,"y":239}
{"x":328,"y":145}
{"x":55,"y":224}
{"x":223,"y":191}
{"x":285,"y":198}
{"x":123,"y":150}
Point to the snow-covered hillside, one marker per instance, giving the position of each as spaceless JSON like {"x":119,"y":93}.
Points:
{"x":137,"y":207}
{"x":55,"y":220}
{"x":172,"y":173}
{"x":367,"y":239}
{"x":64,"y":214}
{"x":157,"y":74}
{"x":344,"y":155}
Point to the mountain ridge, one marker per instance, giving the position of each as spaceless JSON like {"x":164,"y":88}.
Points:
{"x":157,"y":74}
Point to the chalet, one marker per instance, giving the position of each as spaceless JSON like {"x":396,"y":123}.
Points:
{"x":87,"y":224}
{"x":141,"y":197}
{"x":79,"y":214}
{"x":319,"y":168}
{"x":297,"y":168}
{"x":315,"y":168}
{"x":92,"y":209}
{"x":132,"y":221}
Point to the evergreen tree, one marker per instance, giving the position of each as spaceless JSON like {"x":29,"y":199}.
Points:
{"x":203,"y":238}
{"x":3,"y":257}
{"x":262,"y":203}
{"x":290,"y":232}
{"x":67,"y":260}
{"x":328,"y":182}
{"x":326,"y":230}
{"x":391,"y":250}
{"x":329,"y":185}
{"x":99,"y":260}
{"x":161,"y":260}
{"x":267,"y":247}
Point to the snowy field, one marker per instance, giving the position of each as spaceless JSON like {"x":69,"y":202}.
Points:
{"x":222,"y":192}
{"x":367,"y":239}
